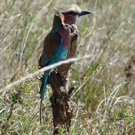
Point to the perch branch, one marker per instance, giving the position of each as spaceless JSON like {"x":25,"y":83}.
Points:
{"x":60,"y":99}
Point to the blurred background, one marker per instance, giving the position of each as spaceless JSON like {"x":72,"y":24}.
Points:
{"x":103,"y":99}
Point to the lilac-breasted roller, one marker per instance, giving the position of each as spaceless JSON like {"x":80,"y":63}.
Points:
{"x":56,"y":43}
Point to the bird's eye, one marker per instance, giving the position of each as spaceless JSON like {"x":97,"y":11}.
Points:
{"x":71,"y":12}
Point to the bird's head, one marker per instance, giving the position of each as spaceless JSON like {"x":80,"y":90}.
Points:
{"x":71,"y":15}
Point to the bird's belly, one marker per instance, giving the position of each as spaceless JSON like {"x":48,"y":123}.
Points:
{"x":62,"y":53}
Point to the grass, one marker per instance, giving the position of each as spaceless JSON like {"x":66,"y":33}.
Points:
{"x":103,"y":101}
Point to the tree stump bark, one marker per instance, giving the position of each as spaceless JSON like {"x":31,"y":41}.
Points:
{"x":60,"y":98}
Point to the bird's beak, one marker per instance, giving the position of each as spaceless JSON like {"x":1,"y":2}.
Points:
{"x":84,"y":12}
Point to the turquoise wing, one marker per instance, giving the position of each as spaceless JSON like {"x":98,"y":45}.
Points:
{"x":53,"y":51}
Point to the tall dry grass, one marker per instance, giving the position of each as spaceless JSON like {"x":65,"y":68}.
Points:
{"x":103,"y":101}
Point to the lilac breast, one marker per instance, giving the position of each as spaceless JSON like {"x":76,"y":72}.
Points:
{"x":65,"y":37}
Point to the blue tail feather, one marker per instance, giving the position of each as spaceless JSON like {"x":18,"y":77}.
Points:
{"x":43,"y":85}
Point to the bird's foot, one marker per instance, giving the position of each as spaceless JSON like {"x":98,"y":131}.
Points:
{"x":74,"y":36}
{"x":67,"y":27}
{"x":72,"y":30}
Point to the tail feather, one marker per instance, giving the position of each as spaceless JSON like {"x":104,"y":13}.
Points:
{"x":43,"y":85}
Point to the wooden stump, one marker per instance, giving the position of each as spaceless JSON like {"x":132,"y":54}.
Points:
{"x":60,"y":98}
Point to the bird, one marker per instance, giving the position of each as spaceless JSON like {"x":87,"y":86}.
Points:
{"x":56,"y":43}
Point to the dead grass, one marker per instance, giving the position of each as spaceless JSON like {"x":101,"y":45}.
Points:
{"x":103,"y":101}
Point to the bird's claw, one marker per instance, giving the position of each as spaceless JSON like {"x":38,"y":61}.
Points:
{"x":74,"y":36}
{"x":72,"y":30}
